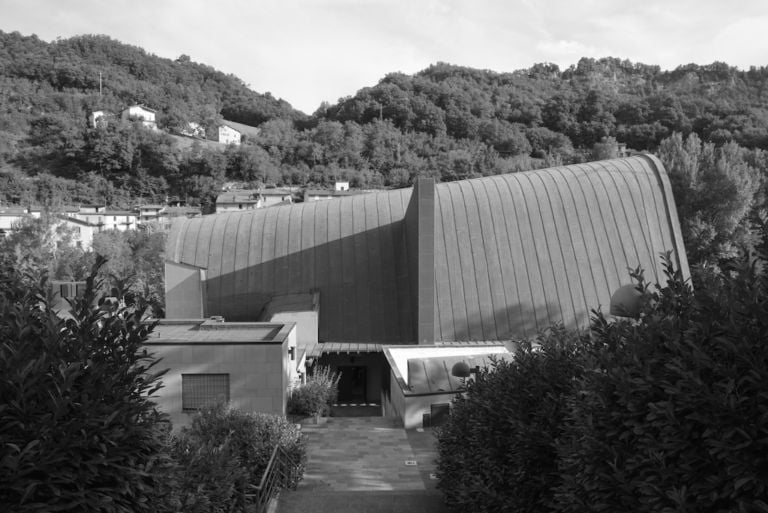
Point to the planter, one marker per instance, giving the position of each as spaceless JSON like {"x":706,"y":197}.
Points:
{"x":314,"y":420}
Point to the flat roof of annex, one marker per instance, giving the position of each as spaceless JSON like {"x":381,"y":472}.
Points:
{"x":214,"y":331}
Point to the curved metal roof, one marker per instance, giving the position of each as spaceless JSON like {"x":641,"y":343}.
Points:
{"x":349,"y":249}
{"x":512,"y":253}
{"x":526,"y":250}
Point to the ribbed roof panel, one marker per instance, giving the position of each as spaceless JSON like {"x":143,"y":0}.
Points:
{"x":513,"y":254}
{"x":346,"y":248}
{"x":516,"y":253}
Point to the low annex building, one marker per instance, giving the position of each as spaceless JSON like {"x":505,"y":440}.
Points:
{"x":488,"y":259}
{"x":249,"y":365}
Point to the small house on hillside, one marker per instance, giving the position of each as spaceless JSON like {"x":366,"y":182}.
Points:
{"x":247,"y":132}
{"x":237,"y":133}
{"x":140,"y":113}
{"x":101,"y":118}
{"x":228,"y":135}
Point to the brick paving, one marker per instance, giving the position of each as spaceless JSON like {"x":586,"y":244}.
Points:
{"x":366,"y":464}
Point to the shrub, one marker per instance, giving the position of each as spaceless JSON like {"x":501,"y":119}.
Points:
{"x":78,"y":430}
{"x":225,"y":449}
{"x":676,"y":417}
{"x":666,"y":412}
{"x":498,"y":450}
{"x":317,"y":395}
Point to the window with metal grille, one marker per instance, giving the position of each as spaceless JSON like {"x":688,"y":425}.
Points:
{"x":203,"y":390}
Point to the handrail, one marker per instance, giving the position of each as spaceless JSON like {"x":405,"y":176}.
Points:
{"x":280,"y":473}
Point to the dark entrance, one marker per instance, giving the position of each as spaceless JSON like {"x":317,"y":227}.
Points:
{"x":352,"y":384}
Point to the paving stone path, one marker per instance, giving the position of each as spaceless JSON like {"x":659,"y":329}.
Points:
{"x":366,"y":464}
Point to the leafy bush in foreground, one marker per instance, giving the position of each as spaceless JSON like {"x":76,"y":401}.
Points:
{"x":666,"y":412}
{"x":498,"y":450}
{"x":675,"y":419}
{"x":225,"y":449}
{"x":78,"y":431}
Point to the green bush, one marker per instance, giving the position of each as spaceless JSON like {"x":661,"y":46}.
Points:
{"x":666,"y":412}
{"x":675,"y":417}
{"x":316,"y":396}
{"x":78,"y":431}
{"x":498,"y":450}
{"x":224,"y":449}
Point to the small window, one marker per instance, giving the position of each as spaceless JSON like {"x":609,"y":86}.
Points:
{"x":203,"y":390}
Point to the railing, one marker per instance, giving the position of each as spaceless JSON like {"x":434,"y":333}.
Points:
{"x":281,"y":473}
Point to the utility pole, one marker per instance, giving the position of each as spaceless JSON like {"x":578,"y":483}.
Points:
{"x":99,"y":84}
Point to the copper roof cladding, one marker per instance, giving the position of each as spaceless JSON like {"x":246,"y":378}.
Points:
{"x":347,"y":249}
{"x":522,"y":251}
{"x":509,"y":254}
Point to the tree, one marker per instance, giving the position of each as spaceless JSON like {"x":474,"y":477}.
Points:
{"x":714,"y":189}
{"x":79,"y":430}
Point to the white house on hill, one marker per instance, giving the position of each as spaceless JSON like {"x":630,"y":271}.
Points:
{"x":140,"y":113}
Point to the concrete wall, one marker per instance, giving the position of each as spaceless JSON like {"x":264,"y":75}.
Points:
{"x":259,"y":375}
{"x":417,"y":405}
{"x":306,"y":325}
{"x":393,"y":404}
{"x":184,"y":291}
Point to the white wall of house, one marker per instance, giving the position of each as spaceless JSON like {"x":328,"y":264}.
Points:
{"x":146,"y":116}
{"x":228,"y":135}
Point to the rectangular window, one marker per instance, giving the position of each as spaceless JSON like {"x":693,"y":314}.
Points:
{"x":203,"y":390}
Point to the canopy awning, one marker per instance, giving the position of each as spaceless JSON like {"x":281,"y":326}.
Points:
{"x":317,"y":350}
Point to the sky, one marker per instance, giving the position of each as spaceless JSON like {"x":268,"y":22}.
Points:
{"x":310,"y":51}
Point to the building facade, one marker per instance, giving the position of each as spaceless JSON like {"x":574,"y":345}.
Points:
{"x":488,"y":259}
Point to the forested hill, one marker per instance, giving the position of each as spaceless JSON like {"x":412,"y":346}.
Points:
{"x":36,"y":75}
{"x":636,"y":103}
{"x":447,"y":122}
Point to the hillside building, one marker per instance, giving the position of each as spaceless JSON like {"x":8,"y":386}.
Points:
{"x":140,"y":113}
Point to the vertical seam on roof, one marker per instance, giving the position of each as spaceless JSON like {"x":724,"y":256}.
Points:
{"x":219,"y":279}
{"x":181,"y":235}
{"x":550,"y":251}
{"x":498,"y":256}
{"x":404,"y":331}
{"x":535,"y":247}
{"x":487,"y":276}
{"x":648,"y":240}
{"x":656,"y":187}
{"x":260,"y":278}
{"x":373,"y":312}
{"x":603,"y":217}
{"x":445,"y":255}
{"x":581,"y":230}
{"x":572,"y":245}
{"x":628,"y":218}
{"x":247,"y":270}
{"x":670,"y":212}
{"x":514,"y":275}
{"x":366,"y":328}
{"x":522,"y":250}
{"x":461,"y":267}
{"x":234,"y":257}
{"x":603,"y":180}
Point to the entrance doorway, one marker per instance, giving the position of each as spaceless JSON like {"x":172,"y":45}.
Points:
{"x":352,"y":384}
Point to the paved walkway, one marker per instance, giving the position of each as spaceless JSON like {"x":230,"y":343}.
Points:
{"x":366,"y":464}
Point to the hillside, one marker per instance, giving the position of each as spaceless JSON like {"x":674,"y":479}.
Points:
{"x":447,"y":122}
